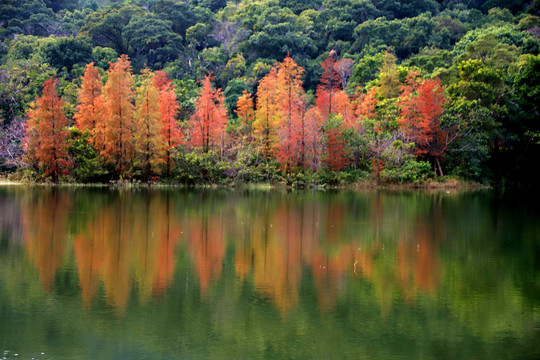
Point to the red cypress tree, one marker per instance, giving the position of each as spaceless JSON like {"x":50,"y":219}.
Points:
{"x":161,"y":80}
{"x":168,"y":108}
{"x":337,"y":154}
{"x":246,"y":114}
{"x":344,"y":107}
{"x":118,"y":93}
{"x":149,"y":142}
{"x":47,"y":132}
{"x":366,"y":104}
{"x":421,"y":108}
{"x":313,"y":122}
{"x":291,"y":107}
{"x":329,"y":85}
{"x":210,"y":117}
{"x":90,"y":112}
{"x":266,"y":115}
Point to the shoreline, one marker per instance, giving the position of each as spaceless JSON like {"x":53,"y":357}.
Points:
{"x":432,"y":185}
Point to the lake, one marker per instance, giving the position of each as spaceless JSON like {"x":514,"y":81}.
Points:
{"x":99,"y":273}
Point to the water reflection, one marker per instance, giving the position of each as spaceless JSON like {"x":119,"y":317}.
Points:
{"x":220,"y":256}
{"x":127,"y":241}
{"x":44,"y":222}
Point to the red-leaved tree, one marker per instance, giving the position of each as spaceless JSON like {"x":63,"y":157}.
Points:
{"x":246,"y":115}
{"x":118,"y":94}
{"x":266,"y":114}
{"x":168,"y":108}
{"x":313,"y":144}
{"x":330,"y":83}
{"x":291,"y":109}
{"x":337,"y":153}
{"x":47,"y":133}
{"x":210,"y":117}
{"x":90,"y":113}
{"x":149,"y":142}
{"x":421,"y":109}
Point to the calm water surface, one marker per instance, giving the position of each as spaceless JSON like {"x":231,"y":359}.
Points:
{"x":112,"y":274}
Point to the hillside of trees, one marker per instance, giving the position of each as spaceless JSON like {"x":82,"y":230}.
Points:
{"x":296,"y":91}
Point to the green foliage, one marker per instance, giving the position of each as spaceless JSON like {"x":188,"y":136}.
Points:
{"x":232,"y":92}
{"x":401,"y":166}
{"x":405,"y":9}
{"x":179,"y":14}
{"x":194,"y":168}
{"x":67,"y":52}
{"x":198,"y":35}
{"x":86,"y":164}
{"x":337,"y":178}
{"x":504,"y":34}
{"x":103,"y":56}
{"x":152,"y":41}
{"x":20,"y":83}
{"x":406,"y":36}
{"x":366,"y":69}
{"x":469,"y":154}
{"x":252,"y":172}
{"x":106,"y":27}
{"x":28,"y":17}
{"x":411,"y":172}
{"x":72,"y":22}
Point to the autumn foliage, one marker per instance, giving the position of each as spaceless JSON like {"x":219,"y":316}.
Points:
{"x":245,"y":109}
{"x":330,"y":85}
{"x":132,"y":123}
{"x":291,"y":110}
{"x":210,"y":117}
{"x":119,"y":124}
{"x":266,"y":116}
{"x":421,"y":109}
{"x":168,"y":108}
{"x":149,"y":141}
{"x":47,"y":133}
{"x":90,"y":112}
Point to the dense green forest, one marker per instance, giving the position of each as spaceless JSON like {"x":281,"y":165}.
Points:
{"x":389,"y":90}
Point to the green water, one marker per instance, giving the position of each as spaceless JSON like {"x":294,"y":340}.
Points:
{"x":109,"y":274}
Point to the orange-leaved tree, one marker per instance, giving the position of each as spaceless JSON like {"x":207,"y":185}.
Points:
{"x":210,"y":117}
{"x":313,"y":144}
{"x":266,"y":114}
{"x":168,"y":108}
{"x":337,"y":153}
{"x":90,"y":112}
{"x":421,"y":109}
{"x":330,"y":84}
{"x":149,"y":142}
{"x":291,"y":108}
{"x":118,"y":94}
{"x":246,"y":115}
{"x":331,"y":99}
{"x":344,"y":107}
{"x":47,"y":133}
{"x":366,"y":105}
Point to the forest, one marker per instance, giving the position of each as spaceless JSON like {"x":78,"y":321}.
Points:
{"x":305,"y":93}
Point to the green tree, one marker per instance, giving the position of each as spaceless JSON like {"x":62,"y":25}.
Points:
{"x":178,"y":13}
{"x":67,"y":52}
{"x":107,"y":27}
{"x":152,"y":41}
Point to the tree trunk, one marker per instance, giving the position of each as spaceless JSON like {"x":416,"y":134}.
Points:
{"x":438,"y":166}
